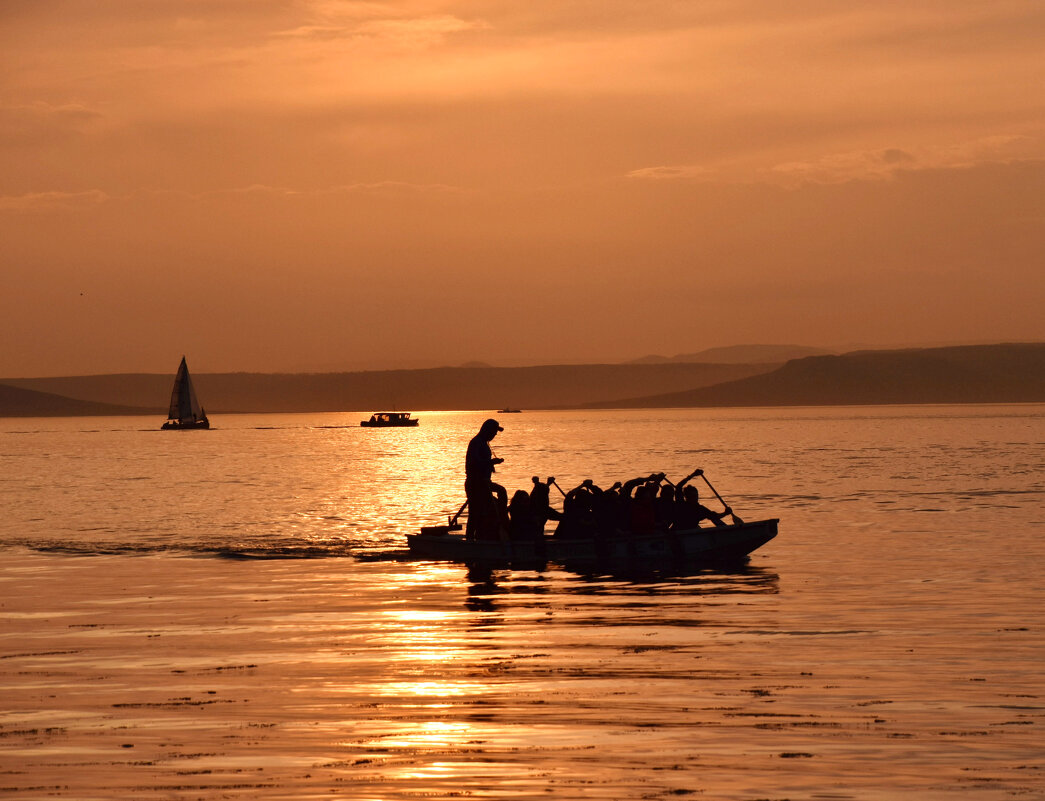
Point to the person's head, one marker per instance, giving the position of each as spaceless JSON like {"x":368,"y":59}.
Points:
{"x":690,"y":493}
{"x":489,"y":429}
{"x":667,"y":491}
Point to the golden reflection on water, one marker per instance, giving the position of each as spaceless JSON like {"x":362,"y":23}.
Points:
{"x":887,"y":645}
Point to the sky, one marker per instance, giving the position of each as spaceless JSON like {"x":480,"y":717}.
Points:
{"x":311,"y":185}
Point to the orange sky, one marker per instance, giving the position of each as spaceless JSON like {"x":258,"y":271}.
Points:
{"x":322,"y":184}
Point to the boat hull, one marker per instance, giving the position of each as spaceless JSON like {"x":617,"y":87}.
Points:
{"x":714,"y":544}
{"x":188,"y":425}
{"x":403,"y":424}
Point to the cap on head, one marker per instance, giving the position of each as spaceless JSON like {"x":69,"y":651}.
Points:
{"x":491,"y":426}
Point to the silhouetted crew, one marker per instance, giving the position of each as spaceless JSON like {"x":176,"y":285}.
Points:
{"x":479,"y":462}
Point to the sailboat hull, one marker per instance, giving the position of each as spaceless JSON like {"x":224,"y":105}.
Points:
{"x":188,"y":425}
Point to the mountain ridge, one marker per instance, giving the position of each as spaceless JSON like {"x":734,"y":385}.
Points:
{"x":443,"y":388}
{"x":1002,"y":373}
{"x":738,"y":354}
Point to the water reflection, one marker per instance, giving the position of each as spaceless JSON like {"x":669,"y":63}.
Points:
{"x":492,"y":589}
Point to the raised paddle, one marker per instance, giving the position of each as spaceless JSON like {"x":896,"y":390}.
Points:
{"x":736,"y":520}
{"x":694,"y":474}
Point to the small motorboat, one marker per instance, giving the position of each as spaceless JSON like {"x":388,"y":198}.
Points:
{"x":389,"y":420}
{"x":185,"y":413}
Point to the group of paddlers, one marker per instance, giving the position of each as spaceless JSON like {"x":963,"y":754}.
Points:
{"x":641,"y":506}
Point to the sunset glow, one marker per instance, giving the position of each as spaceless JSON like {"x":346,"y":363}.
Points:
{"x":326,"y":184}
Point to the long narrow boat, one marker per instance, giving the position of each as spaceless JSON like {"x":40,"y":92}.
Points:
{"x":712,"y":544}
{"x":185,"y":413}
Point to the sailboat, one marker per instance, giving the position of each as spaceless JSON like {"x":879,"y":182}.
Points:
{"x":185,"y":412}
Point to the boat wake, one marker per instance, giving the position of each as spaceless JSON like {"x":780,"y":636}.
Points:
{"x":253,"y":551}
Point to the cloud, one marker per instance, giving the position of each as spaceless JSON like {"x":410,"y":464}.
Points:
{"x":674,"y":173}
{"x":372,"y":188}
{"x":62,"y":200}
{"x":840,"y":167}
{"x":884,"y":164}
{"x":33,"y":122}
{"x":390,"y":25}
{"x":878,"y":164}
{"x":52,"y":201}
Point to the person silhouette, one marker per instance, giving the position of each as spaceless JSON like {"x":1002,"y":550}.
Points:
{"x":479,"y":488}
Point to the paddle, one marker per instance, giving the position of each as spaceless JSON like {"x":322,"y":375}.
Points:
{"x":452,"y":525}
{"x":736,"y":520}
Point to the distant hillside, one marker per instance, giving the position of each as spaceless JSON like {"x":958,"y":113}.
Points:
{"x":440,"y":388}
{"x":1010,"y":373}
{"x":739,"y":354}
{"x":18,"y":402}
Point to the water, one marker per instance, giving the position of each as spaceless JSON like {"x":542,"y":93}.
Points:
{"x":230,"y":614}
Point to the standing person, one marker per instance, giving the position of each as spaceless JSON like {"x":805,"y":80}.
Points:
{"x":479,"y":465}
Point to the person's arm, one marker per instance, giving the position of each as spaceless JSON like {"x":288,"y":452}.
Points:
{"x":715,"y":517}
{"x":629,"y":486}
{"x":690,"y":477}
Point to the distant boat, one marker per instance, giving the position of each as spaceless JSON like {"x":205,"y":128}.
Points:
{"x":185,"y":412}
{"x":389,"y":419}
{"x":508,"y":410}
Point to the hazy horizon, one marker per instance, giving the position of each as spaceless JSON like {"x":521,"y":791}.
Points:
{"x":408,"y":365}
{"x":325,"y":185}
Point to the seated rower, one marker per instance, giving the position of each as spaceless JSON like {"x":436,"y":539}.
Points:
{"x":577,"y":519}
{"x":665,"y":506}
{"x":690,"y":512}
{"x":541,"y":503}
{"x":524,"y":521}
{"x":639,"y":504}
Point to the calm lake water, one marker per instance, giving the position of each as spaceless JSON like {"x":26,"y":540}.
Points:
{"x":230,"y":614}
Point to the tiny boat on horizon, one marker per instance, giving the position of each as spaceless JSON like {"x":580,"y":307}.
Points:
{"x":389,"y":420}
{"x":185,"y":413}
